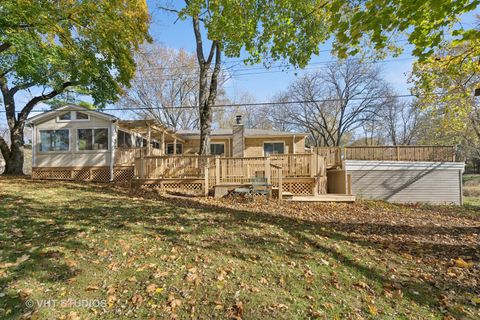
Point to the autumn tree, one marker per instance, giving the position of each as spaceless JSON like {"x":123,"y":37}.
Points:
{"x":446,"y":84}
{"x":293,"y":30}
{"x":48,"y":47}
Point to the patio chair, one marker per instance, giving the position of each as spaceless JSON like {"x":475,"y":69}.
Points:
{"x":260,"y":186}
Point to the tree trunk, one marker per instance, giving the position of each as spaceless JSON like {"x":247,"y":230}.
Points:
{"x":207,"y":93}
{"x":204,"y":112}
{"x":15,"y":157}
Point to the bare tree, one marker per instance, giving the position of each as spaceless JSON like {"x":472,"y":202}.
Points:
{"x":165,"y":87}
{"x":254,"y":116}
{"x":401,"y":121}
{"x":334,"y":101}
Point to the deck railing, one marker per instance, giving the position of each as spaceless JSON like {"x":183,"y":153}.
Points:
{"x":335,"y":155}
{"x":227,"y":170}
{"x":171,"y":166}
{"x":401,"y":153}
{"x":126,"y":156}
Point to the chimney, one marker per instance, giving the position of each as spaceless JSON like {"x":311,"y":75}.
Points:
{"x":238,"y":119}
{"x":238,"y":139}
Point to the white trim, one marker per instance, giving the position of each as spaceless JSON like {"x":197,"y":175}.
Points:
{"x":224,"y":148}
{"x":368,"y":165}
{"x":273,"y":141}
{"x":52,"y":113}
{"x":56,"y":151}
{"x":77,"y":140}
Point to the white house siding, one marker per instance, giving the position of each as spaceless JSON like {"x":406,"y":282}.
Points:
{"x":73,"y":157}
{"x":407,"y":182}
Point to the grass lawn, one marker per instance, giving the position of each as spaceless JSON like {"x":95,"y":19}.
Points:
{"x":153,"y":257}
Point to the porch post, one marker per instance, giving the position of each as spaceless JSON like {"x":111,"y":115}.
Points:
{"x":217,"y":170}
{"x":163,"y":143}
{"x":174,"y":146}
{"x":293,"y":145}
{"x":149,"y":137}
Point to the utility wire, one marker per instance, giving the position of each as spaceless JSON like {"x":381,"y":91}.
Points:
{"x":254,"y":104}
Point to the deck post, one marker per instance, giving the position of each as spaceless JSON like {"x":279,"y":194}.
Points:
{"x":206,"y":180}
{"x":149,"y":139}
{"x":313,"y":165}
{"x":280,"y":185}
{"x":217,"y":170}
{"x":142,"y":166}
{"x":267,"y":169}
{"x":163,"y":143}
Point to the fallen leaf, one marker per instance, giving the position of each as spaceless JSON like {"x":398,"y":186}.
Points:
{"x":372,"y":309}
{"x":462,"y":263}
{"x":151,"y":288}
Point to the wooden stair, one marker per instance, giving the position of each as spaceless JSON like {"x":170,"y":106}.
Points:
{"x":323,"y":198}
{"x":285,"y":195}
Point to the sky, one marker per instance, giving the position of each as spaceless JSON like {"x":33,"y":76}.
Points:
{"x":258,"y":82}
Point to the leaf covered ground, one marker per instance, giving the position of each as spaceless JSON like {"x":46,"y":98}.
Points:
{"x":150,"y":256}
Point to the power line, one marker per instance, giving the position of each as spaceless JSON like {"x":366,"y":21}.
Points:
{"x":262,"y":70}
{"x":254,"y":104}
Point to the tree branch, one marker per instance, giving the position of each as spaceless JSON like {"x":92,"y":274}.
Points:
{"x":32,"y":103}
{"x":4,"y":46}
{"x":22,"y":86}
{"x":198,"y":39}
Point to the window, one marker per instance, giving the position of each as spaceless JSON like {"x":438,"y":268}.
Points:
{"x":217,"y":148}
{"x":273,"y":148}
{"x":73,"y":115}
{"x":82,"y":116}
{"x":54,"y":140}
{"x":65,"y":117}
{"x":170,"y":148}
{"x":93,"y":139}
{"x":124,"y":139}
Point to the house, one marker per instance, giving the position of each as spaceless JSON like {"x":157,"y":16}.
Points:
{"x":75,"y":143}
{"x":242,"y":142}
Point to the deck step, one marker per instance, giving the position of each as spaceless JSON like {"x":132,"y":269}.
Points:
{"x":324,"y":198}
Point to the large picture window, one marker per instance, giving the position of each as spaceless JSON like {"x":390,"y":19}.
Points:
{"x":170,"y":148}
{"x":273,"y":148}
{"x":217,"y":149}
{"x":54,"y":140}
{"x":93,"y":139}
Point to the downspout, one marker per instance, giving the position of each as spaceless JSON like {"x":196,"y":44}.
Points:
{"x":113,"y":139}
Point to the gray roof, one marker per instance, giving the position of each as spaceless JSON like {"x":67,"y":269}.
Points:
{"x":248,"y":133}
